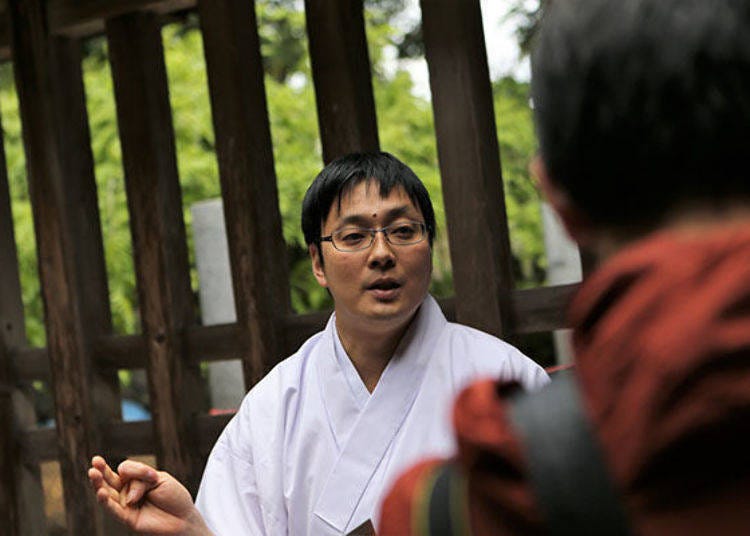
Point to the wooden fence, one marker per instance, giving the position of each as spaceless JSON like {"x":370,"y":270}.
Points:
{"x":82,"y":356}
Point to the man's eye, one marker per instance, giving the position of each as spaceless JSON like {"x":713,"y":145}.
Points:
{"x":404,"y":231}
{"x":352,"y":237}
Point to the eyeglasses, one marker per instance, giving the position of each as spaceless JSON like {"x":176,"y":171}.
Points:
{"x":351,"y":239}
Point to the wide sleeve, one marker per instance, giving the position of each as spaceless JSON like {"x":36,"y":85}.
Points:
{"x":228,"y":498}
{"x":526,"y":372}
{"x":490,"y":458}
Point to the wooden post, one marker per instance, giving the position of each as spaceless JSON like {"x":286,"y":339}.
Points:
{"x":257,"y":251}
{"x":158,"y":231}
{"x":83,"y":211}
{"x":59,"y":252}
{"x":341,"y":74}
{"x":469,"y":163}
{"x":21,"y":504}
{"x":10,"y":456}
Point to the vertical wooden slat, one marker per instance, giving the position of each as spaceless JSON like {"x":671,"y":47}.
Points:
{"x":21,"y":506}
{"x":251,"y":208}
{"x":10,"y":455}
{"x":78,"y":169}
{"x":469,"y":163}
{"x":62,"y":290}
{"x":11,"y":321}
{"x":12,"y":325}
{"x":158,"y":233}
{"x":83,"y":209}
{"x":341,"y":74}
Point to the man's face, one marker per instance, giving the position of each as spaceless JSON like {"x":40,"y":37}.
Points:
{"x":382,"y":286}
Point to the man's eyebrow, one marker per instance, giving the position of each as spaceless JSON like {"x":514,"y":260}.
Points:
{"x":363,"y":220}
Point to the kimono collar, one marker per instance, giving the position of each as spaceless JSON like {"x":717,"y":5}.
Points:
{"x":365,"y":435}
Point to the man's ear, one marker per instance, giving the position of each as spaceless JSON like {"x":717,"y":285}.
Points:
{"x":317,"y":264}
{"x":573,"y":219}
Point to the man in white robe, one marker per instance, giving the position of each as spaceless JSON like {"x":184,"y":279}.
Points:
{"x":311,"y":450}
{"x":317,"y":441}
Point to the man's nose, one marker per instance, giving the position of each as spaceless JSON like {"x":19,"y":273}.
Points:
{"x":381,"y":252}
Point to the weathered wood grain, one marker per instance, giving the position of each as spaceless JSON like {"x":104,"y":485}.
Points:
{"x":469,"y":163}
{"x":257,"y":251}
{"x":158,"y":236}
{"x":341,"y":74}
{"x":21,"y":507}
{"x":84,"y":18}
{"x":68,"y":349}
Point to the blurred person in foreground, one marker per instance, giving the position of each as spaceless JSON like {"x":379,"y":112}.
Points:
{"x":316,"y":441}
{"x":642,"y":109}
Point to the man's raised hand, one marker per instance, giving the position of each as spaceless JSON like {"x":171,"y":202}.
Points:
{"x":146,"y":500}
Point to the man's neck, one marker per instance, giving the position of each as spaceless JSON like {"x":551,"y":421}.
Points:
{"x":369,"y":350}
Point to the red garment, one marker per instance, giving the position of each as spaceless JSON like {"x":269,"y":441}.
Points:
{"x":662,"y":339}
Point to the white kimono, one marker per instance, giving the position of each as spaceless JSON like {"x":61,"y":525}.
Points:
{"x":311,"y":451}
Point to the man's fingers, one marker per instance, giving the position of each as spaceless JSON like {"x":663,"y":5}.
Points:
{"x":109,"y":475}
{"x":132,"y":470}
{"x":137,"y":479}
{"x":111,"y":505}
{"x":98,"y":483}
{"x":136,"y":489}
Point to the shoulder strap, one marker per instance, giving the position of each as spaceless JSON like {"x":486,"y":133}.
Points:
{"x":446,"y":504}
{"x":567,"y":472}
{"x":566,"y":469}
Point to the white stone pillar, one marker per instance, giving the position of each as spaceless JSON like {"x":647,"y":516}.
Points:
{"x":564,"y":266}
{"x":225,"y":379}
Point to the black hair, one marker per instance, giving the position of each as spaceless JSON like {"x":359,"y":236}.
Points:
{"x":346,"y":172}
{"x":643,"y":106}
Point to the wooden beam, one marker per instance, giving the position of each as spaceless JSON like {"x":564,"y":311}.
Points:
{"x":158,"y":235}
{"x":70,"y":360}
{"x":534,"y":310}
{"x":21,"y":506}
{"x":469,"y":163}
{"x":341,"y":74}
{"x":84,"y":18}
{"x":257,"y":251}
{"x":130,"y":438}
{"x":204,"y":343}
{"x":29,"y":364}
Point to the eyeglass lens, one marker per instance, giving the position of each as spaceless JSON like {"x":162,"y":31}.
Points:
{"x":400,"y":234}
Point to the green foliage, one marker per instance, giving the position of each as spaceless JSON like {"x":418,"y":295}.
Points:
{"x":105,"y":148}
{"x":529,"y":16}
{"x":517,"y":142}
{"x":405,"y":127}
{"x":21,"y":207}
{"x":283,"y":39}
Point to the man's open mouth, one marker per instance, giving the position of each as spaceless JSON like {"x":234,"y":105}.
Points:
{"x":384,"y":285}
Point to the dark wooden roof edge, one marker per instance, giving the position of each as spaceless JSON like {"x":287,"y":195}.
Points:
{"x":86,"y":18}
{"x":73,"y":18}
